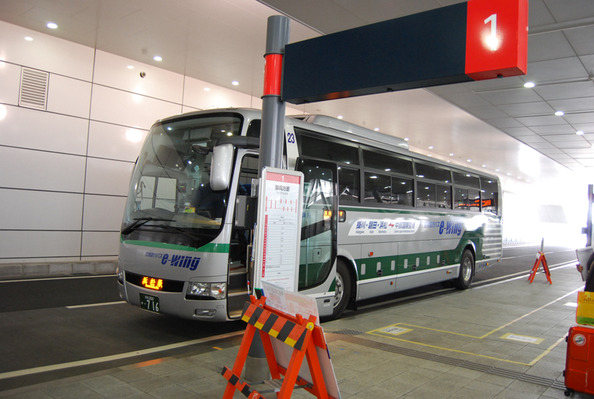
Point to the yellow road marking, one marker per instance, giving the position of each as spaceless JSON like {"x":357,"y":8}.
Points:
{"x":381,"y":332}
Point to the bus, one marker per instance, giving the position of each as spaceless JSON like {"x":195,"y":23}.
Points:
{"x":377,"y":217}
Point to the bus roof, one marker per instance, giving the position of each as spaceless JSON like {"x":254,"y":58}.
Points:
{"x":343,"y":126}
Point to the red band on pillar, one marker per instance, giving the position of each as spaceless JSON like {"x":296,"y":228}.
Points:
{"x":272,"y":74}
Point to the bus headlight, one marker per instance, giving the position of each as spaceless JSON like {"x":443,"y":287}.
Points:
{"x":212,"y":290}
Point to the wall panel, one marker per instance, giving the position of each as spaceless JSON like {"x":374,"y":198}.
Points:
{"x":108,"y":177}
{"x":100,"y":244}
{"x":10,"y":77}
{"x":103,"y":213}
{"x":28,"y":128}
{"x":129,"y":109}
{"x":30,"y":169}
{"x":45,"y":52}
{"x":69,"y":96}
{"x":35,"y":246}
{"x":114,"y":141}
{"x":122,"y":73}
{"x":40,"y":210}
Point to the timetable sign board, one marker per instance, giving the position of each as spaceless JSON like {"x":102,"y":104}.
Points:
{"x":280,"y":208}
{"x":480,"y":39}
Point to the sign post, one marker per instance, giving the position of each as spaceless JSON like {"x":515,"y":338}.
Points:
{"x":271,"y":151}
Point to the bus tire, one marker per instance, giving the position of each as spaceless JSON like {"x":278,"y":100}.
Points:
{"x":466,"y":271}
{"x":342,"y":289}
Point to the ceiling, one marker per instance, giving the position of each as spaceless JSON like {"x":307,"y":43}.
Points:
{"x":498,"y":126}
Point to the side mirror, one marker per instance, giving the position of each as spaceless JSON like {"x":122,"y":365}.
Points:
{"x":220,"y":170}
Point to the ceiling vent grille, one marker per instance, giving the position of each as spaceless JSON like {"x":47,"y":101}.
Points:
{"x":34,"y":86}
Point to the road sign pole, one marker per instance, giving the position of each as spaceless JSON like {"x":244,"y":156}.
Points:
{"x":273,"y":108}
{"x":271,"y":148}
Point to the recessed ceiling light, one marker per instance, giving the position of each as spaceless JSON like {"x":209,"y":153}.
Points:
{"x":158,"y":58}
{"x":559,"y":113}
{"x":406,"y":139}
{"x":469,"y":160}
{"x":340,"y":116}
{"x":207,"y":89}
{"x":28,"y":38}
{"x":130,"y":67}
{"x":529,"y":85}
{"x":579,"y":132}
{"x":52,"y":25}
{"x":430,"y":147}
{"x":376,"y":129}
{"x":235,"y":83}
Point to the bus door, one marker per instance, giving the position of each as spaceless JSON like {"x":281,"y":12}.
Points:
{"x":242,"y":235}
{"x":318,"y":228}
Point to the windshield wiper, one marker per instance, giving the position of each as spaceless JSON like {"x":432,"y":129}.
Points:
{"x":141,"y":221}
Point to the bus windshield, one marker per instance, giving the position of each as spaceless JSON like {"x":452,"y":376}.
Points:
{"x":170,"y":193}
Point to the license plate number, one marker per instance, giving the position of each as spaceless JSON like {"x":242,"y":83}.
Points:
{"x":149,"y":302}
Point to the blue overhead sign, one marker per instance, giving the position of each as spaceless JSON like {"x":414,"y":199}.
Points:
{"x":481,"y":39}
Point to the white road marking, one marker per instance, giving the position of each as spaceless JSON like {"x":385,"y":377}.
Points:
{"x":119,"y":356}
{"x":28,"y":280}
{"x":92,"y":305}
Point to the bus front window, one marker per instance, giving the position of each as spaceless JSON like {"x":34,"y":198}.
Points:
{"x":170,"y":189}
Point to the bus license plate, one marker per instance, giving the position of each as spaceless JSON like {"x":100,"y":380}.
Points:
{"x":149,"y":302}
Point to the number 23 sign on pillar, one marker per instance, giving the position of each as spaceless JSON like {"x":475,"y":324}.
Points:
{"x":496,"y":38}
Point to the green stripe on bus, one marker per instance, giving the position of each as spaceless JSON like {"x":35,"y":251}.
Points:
{"x":214,"y":248}
{"x":408,"y":212}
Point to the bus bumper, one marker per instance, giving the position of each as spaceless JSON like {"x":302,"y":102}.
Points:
{"x":174,"y":303}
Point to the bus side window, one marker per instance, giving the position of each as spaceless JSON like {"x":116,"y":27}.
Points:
{"x":378,"y":188}
{"x":466,"y":179}
{"x":402,"y":191}
{"x":489,"y":195}
{"x":433,"y":172}
{"x":426,"y":195}
{"x":466,"y":199}
{"x":444,"y":196}
{"x":322,"y":148}
{"x":348,"y":185}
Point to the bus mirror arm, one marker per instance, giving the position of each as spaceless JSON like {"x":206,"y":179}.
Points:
{"x":221,"y":166}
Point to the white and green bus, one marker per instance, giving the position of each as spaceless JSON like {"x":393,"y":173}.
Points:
{"x":377,"y":218}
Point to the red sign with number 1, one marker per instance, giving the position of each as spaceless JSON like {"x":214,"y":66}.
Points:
{"x":496,"y":38}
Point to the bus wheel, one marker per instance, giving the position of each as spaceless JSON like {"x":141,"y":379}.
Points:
{"x":466,"y":271}
{"x":342,"y":289}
